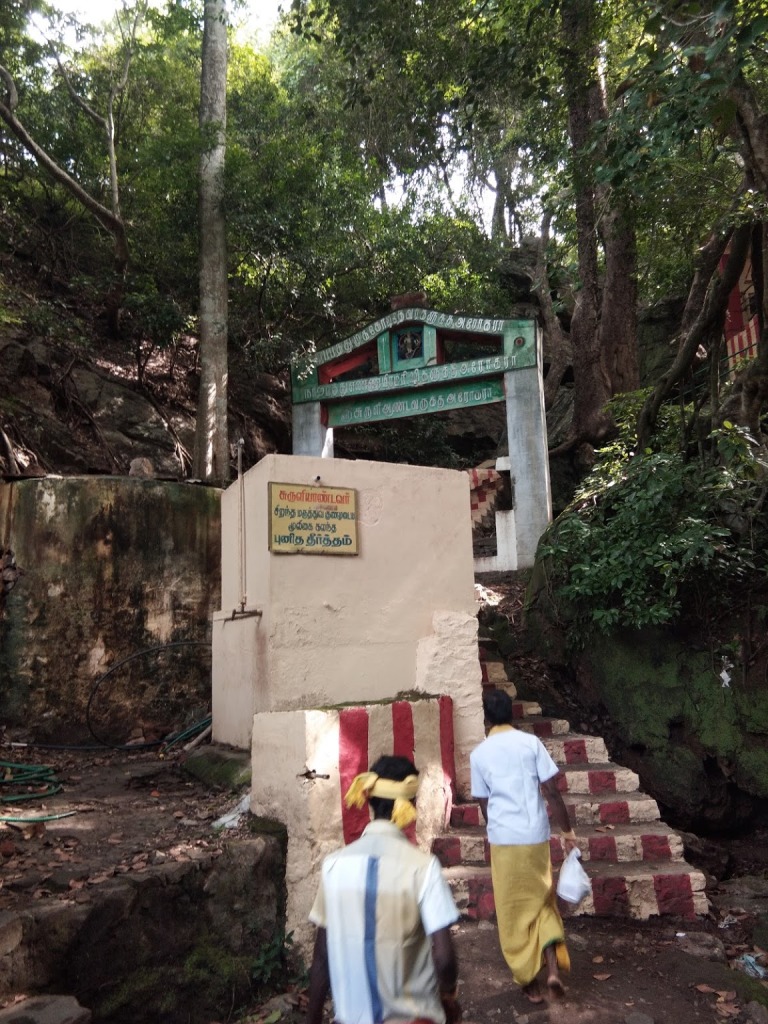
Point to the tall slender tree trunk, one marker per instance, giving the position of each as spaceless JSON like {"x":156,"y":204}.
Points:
{"x":557,"y":343}
{"x":604,"y":324}
{"x":211,"y":458}
{"x":592,"y":388}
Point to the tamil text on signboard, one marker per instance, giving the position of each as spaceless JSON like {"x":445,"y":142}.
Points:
{"x":312,"y":520}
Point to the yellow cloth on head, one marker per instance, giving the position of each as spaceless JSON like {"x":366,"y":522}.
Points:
{"x":526,"y":911}
{"x":369,"y":784}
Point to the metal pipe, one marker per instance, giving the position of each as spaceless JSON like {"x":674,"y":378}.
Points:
{"x":241,"y":526}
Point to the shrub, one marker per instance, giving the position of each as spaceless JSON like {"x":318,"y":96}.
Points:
{"x":648,"y":533}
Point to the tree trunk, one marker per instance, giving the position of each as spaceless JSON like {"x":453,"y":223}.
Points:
{"x":558,"y":353}
{"x":746,"y":401}
{"x":212,"y":458}
{"x":604,"y":323}
{"x":592,"y":386}
{"x":618,"y":317}
{"x":503,"y":211}
{"x":753,"y":125}
{"x":709,"y":319}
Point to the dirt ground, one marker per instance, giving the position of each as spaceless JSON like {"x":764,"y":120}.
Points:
{"x":621,"y":973}
{"x":117,"y":812}
{"x":125,"y":811}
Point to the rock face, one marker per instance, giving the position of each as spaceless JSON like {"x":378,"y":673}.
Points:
{"x":46,"y":1010}
{"x":75,"y":410}
{"x":688,"y":717}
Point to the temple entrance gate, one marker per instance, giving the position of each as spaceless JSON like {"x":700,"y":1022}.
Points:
{"x":416,"y":361}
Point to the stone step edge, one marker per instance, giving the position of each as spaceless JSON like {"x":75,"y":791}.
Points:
{"x":576,"y":749}
{"x":573,"y":748}
{"x":543,"y":727}
{"x":584,"y":809}
{"x":525,"y":709}
{"x":591,"y":780}
{"x":520,"y":708}
{"x":620,"y":844}
{"x":595,"y":779}
{"x":624,"y":890}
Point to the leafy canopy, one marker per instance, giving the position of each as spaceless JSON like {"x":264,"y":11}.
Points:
{"x":646,"y":533}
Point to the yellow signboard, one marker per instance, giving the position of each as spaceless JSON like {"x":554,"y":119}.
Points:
{"x":312,"y":520}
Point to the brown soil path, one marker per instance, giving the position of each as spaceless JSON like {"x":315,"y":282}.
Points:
{"x":622,"y":972}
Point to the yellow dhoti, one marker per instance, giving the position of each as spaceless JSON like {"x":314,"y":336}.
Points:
{"x":526,"y":910}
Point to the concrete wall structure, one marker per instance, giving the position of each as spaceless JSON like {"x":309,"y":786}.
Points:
{"x":310,"y":631}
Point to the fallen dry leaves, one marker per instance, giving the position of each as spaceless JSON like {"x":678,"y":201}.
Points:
{"x":725,"y":1006}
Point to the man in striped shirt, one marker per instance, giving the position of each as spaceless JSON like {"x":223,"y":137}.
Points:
{"x":383,"y":913}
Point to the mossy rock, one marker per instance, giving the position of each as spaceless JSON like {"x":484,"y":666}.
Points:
{"x":683,"y":705}
{"x":220,"y":767}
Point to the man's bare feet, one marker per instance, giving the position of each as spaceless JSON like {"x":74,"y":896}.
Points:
{"x":533,"y":992}
{"x":555,"y":987}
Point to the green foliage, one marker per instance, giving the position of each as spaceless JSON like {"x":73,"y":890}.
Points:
{"x":316,"y":245}
{"x":9,"y":316}
{"x":672,"y":141}
{"x":361,"y":150}
{"x":207,"y":962}
{"x":271,"y":962}
{"x":315,"y":250}
{"x":648,"y":532}
{"x":153,"y":316}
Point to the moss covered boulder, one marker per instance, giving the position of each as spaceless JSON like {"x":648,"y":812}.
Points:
{"x":685,"y":706}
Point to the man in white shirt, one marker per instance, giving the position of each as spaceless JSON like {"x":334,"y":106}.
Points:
{"x":383,"y":913}
{"x":509,"y":771}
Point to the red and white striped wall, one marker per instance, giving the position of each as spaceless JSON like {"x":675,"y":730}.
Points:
{"x":419,"y":730}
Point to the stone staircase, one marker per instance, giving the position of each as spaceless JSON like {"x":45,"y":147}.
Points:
{"x":635,"y":861}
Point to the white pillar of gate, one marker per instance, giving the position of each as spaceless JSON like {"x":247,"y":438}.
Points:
{"x":310,"y":435}
{"x":528,"y":461}
{"x":519,"y":529}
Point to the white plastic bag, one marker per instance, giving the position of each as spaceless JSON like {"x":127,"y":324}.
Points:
{"x":573,"y":884}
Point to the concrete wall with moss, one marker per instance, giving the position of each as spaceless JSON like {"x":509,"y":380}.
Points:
{"x":110,"y":566}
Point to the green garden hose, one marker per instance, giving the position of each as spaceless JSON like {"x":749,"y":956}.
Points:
{"x":32,"y":821}
{"x":41,"y":776}
{"x":188,"y":733}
